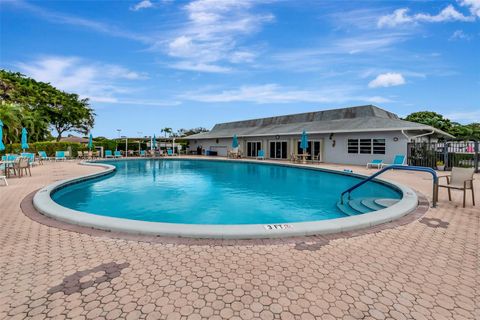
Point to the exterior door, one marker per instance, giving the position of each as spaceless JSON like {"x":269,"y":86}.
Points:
{"x":278,"y":150}
{"x":253,"y":148}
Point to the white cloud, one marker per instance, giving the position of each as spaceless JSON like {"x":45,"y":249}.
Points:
{"x":144,"y":4}
{"x":274,"y":93}
{"x":388,"y":79}
{"x":459,"y":35}
{"x":213,"y":32}
{"x":66,"y":19}
{"x":200,"y":67}
{"x":97,"y":81}
{"x":472,"y":5}
{"x":401,"y":17}
{"x":464,"y":117}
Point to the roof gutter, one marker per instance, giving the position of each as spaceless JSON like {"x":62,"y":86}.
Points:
{"x":417,"y":136}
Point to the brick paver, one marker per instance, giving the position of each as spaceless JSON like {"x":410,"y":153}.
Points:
{"x":427,"y":269}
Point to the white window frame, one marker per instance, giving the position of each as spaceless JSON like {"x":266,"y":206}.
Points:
{"x":359,"y":147}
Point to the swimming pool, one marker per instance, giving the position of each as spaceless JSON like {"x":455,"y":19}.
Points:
{"x":196,"y":193}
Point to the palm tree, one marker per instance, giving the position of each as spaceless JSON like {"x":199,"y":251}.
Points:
{"x":11,"y":115}
{"x":166,"y":131}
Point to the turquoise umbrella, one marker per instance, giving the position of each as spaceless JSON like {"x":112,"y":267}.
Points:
{"x":2,"y":146}
{"x":235,"y":141}
{"x":24,"y":139}
{"x":304,"y":142}
{"x":90,"y":142}
{"x":154,"y":142}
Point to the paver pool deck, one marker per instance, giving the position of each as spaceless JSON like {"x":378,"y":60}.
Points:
{"x":428,"y":268}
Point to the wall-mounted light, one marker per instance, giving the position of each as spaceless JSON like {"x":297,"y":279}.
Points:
{"x":331,"y":136}
{"x":395,"y":139}
{"x":277,"y":137}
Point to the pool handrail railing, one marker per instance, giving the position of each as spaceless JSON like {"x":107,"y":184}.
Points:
{"x":398,"y":167}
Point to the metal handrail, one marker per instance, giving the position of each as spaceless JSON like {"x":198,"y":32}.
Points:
{"x":398,"y":167}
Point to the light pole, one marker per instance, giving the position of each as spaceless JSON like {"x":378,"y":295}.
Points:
{"x":126,"y":145}
{"x":116,"y":144}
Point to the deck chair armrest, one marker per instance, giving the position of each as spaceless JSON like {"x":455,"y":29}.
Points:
{"x":446,"y":176}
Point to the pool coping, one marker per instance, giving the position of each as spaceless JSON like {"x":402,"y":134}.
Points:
{"x":43,"y":202}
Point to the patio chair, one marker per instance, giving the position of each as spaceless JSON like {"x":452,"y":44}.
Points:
{"x":117,"y":154}
{"x":375,"y":162}
{"x":60,"y":156}
{"x":399,"y":160}
{"x":170,"y":152}
{"x":460,"y":179}
{"x":108,"y":154}
{"x":30,"y":157}
{"x":142,"y":153}
{"x":261,"y":155}
{"x":20,"y":166}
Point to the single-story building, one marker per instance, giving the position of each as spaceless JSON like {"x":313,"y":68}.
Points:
{"x":353,"y":135}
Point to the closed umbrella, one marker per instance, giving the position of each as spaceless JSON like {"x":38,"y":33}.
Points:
{"x":154,"y":143}
{"x":24,"y":139}
{"x":304,"y":142}
{"x":235,"y":141}
{"x":2,"y":146}
{"x":90,"y":142}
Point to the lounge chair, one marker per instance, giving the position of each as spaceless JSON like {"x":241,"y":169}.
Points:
{"x":108,"y":154}
{"x":460,"y":179}
{"x":60,"y":156}
{"x":43,"y":156}
{"x":261,"y":155}
{"x":375,"y":162}
{"x":117,"y":154}
{"x":399,"y":160}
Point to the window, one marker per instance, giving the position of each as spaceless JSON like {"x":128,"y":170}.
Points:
{"x":366,"y":146}
{"x":352,"y":145}
{"x":378,"y":146}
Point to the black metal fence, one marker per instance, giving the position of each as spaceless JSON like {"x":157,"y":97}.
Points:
{"x":439,"y":155}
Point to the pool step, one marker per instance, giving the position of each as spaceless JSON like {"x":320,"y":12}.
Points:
{"x":355,"y":207}
{"x":347,"y":209}
{"x":386,"y":202}
{"x":370,"y":203}
{"x":359,"y":206}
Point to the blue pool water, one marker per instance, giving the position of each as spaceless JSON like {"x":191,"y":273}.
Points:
{"x":214,"y":192}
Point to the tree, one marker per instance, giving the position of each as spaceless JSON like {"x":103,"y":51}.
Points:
{"x":189,"y":132}
{"x":69,"y":113}
{"x":465,"y":132}
{"x":431,"y":118}
{"x":167,"y":131}
{"x":43,"y":105}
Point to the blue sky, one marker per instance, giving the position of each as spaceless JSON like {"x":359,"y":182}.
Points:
{"x":146,"y":65}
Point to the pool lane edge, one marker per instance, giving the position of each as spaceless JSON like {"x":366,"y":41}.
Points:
{"x":44,"y":203}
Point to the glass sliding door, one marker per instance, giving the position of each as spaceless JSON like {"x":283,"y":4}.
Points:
{"x":313,"y":150}
{"x":278,"y":150}
{"x":253,"y":148}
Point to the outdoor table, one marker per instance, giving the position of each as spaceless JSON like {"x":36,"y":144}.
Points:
{"x":304,"y":157}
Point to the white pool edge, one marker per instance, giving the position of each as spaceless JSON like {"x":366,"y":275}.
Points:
{"x":44,"y":203}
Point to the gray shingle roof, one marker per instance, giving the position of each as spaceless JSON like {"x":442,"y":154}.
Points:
{"x":354,"y":119}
